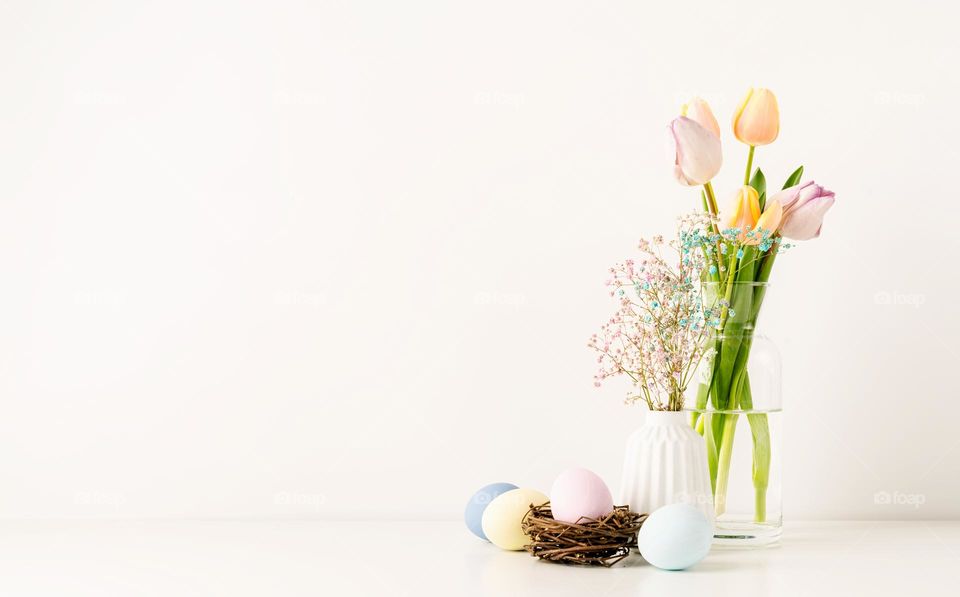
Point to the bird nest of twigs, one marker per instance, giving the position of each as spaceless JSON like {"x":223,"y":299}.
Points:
{"x":590,"y":542}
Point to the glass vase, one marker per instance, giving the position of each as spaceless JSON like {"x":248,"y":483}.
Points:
{"x":737,"y":408}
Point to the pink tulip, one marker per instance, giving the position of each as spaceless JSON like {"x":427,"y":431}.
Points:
{"x":803,"y":209}
{"x":696,"y":152}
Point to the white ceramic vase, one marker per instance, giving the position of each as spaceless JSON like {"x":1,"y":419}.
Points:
{"x":666,"y":463}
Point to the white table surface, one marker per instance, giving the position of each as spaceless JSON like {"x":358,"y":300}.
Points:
{"x":276,"y":558}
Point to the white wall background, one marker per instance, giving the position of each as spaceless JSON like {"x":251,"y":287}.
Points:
{"x":341,"y":259}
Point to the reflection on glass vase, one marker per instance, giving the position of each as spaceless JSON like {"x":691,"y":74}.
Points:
{"x":737,"y":408}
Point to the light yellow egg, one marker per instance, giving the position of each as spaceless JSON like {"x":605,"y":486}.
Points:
{"x":502,"y":518}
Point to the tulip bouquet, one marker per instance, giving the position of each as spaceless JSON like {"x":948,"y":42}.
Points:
{"x":739,"y":254}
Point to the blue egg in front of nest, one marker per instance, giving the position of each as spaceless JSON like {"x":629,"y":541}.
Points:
{"x":473,"y":515}
{"x":675,"y":537}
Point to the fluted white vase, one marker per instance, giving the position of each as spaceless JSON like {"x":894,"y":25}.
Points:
{"x":666,"y":463}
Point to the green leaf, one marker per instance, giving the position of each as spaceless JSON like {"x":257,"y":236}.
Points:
{"x":759,"y":182}
{"x":794,"y":178}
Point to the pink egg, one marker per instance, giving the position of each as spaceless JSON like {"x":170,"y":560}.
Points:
{"x":578,"y":493}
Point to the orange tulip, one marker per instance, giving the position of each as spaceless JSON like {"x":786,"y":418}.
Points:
{"x":757,"y":120}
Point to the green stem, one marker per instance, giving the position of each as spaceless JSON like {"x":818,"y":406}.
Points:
{"x":710,"y":206}
{"x":720,"y":393}
{"x":723,"y":463}
{"x":711,"y":198}
{"x":759,"y":424}
{"x":713,"y":423}
{"x":760,"y":434}
{"x":731,"y":276}
{"x":729,"y":428}
{"x":703,"y":390}
{"x":709,"y":435}
{"x":746,"y":177}
{"x":735,"y":351}
{"x":760,"y":504}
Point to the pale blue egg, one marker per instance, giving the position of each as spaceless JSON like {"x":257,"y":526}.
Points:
{"x":473,"y":515}
{"x":675,"y":537}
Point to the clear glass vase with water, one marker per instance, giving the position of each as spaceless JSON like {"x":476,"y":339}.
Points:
{"x":737,"y":408}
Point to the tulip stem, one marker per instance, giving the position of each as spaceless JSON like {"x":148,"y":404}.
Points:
{"x":711,"y":198}
{"x":710,"y":206}
{"x":746,"y":177}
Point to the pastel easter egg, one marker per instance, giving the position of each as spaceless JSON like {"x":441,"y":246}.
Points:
{"x":578,"y":493}
{"x":502,"y":518}
{"x":675,"y":537}
{"x":473,"y":514}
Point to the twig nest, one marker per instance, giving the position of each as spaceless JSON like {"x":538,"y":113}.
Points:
{"x":602,"y":542}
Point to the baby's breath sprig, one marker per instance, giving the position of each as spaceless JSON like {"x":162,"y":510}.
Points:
{"x":659,"y":333}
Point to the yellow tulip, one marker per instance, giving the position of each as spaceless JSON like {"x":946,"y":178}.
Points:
{"x":757,"y":120}
{"x":767,"y":224}
{"x":699,"y":111}
{"x":744,"y":209}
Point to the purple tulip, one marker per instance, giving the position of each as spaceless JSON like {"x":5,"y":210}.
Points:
{"x":803,"y":209}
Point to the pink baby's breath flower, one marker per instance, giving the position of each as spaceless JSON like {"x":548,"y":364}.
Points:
{"x":657,"y":335}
